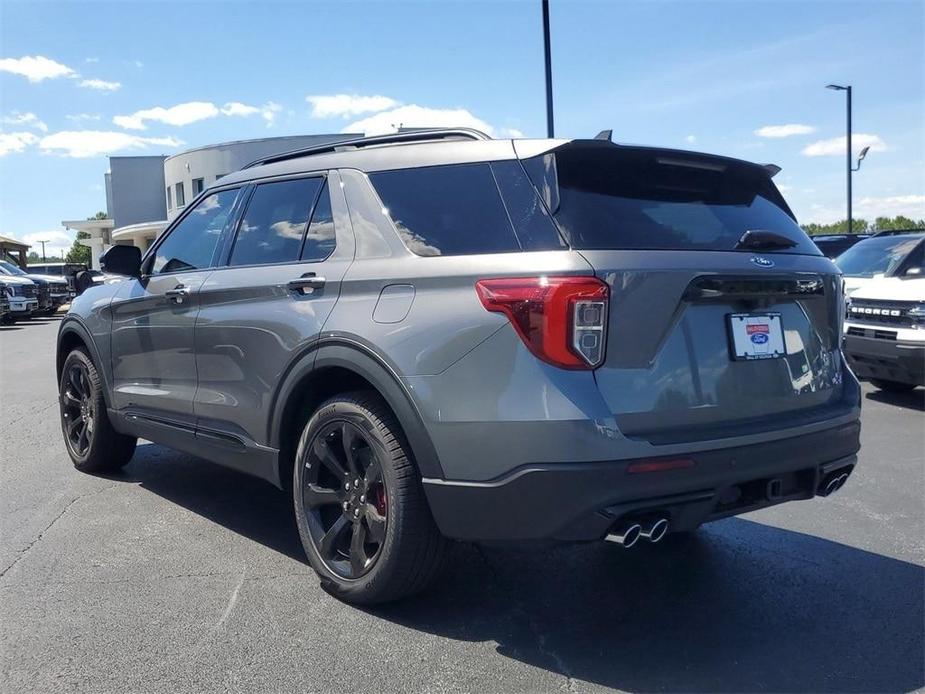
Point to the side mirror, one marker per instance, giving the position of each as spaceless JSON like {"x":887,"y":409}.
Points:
{"x":122,"y":260}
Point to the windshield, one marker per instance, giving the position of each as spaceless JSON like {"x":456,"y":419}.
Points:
{"x":608,"y":197}
{"x":9,"y":269}
{"x":877,"y":256}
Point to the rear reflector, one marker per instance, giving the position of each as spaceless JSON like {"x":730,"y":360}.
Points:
{"x":562,"y":320}
{"x":660,"y":465}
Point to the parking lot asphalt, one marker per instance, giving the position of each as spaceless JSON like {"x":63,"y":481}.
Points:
{"x":178,"y":575}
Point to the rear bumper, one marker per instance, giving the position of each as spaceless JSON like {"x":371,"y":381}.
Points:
{"x":582,"y":501}
{"x":892,"y":360}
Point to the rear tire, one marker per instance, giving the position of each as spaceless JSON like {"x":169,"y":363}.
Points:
{"x":892,"y":386}
{"x":376,"y":541}
{"x":91,"y":441}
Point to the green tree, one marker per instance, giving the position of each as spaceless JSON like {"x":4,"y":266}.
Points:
{"x":897,"y":222}
{"x":33,"y":257}
{"x":841,"y":227}
{"x":78,"y":252}
{"x":859,"y":226}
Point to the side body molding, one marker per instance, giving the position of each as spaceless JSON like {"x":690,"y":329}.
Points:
{"x":353,"y":355}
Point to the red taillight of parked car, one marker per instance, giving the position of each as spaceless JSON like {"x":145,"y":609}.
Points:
{"x":562,"y":320}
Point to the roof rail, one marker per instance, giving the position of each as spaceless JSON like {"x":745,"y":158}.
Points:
{"x":423,"y":135}
{"x":896,"y":232}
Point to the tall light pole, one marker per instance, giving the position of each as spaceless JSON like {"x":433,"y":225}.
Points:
{"x":43,"y":249}
{"x":550,"y":130}
{"x":847,"y":90}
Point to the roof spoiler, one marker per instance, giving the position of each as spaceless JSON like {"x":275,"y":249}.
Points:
{"x":772,"y":169}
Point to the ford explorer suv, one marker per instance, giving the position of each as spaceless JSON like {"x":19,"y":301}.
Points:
{"x":436,"y":336}
{"x":885,"y":328}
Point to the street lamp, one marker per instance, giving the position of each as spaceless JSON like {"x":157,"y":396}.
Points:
{"x":547,"y":52}
{"x":43,"y":249}
{"x":847,"y":90}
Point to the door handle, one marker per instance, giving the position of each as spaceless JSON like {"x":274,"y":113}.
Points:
{"x":307,"y":281}
{"x":178,"y":294}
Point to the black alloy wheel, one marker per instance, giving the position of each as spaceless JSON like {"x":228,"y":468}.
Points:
{"x":344,"y":498}
{"x":78,"y":409}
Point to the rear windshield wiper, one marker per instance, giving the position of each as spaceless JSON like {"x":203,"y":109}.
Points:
{"x":761,"y":239}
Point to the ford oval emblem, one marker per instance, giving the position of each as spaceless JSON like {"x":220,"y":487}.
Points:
{"x":762,"y":262}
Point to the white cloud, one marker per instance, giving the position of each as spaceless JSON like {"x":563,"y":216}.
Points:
{"x":788,"y":130}
{"x":35,"y":68}
{"x":15,"y":142}
{"x":27,"y":119}
{"x":889,"y":206}
{"x":91,"y":60}
{"x":83,"y":116}
{"x":512,"y":133}
{"x":236,"y":108}
{"x":181,"y":114}
{"x":784,"y":188}
{"x":268,"y":111}
{"x":94,"y":143}
{"x":690,"y":139}
{"x":138,"y":63}
{"x":346,"y":105}
{"x":56,"y":240}
{"x":101,"y":85}
{"x":836,"y":145}
{"x":413,"y":116}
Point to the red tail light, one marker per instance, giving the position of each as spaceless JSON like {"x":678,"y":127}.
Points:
{"x":562,"y":320}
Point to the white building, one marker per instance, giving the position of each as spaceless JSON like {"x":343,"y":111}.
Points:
{"x":144,"y":194}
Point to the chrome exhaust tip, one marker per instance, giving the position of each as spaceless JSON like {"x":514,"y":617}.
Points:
{"x":656,"y":531}
{"x":834,"y":484}
{"x":625,"y":535}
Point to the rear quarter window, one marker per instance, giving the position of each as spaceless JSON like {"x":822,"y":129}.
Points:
{"x":459,"y":209}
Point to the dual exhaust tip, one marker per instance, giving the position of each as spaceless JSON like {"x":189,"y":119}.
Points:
{"x":629,"y":533}
{"x":835,"y":482}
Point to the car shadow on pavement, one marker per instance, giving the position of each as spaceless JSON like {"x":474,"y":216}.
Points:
{"x":911,"y":399}
{"x":740,"y":606}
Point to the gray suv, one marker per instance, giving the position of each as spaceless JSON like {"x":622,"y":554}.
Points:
{"x":438,"y":336}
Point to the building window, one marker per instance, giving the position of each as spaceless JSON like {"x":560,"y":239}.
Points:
{"x":218,"y":176}
{"x":181,"y":195}
{"x":169,"y":199}
{"x":198,"y":185}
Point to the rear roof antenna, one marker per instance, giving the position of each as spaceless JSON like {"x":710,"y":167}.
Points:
{"x":605,"y":135}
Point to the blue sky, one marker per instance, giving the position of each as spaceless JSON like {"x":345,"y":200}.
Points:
{"x":79,"y":81}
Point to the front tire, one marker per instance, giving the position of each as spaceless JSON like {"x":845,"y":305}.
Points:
{"x":92,"y":443}
{"x":892,"y":386}
{"x":359,"y":503}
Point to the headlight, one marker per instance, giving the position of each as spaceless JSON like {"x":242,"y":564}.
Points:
{"x":917,"y":314}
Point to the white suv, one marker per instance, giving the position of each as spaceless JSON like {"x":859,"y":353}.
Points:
{"x":885,"y":326}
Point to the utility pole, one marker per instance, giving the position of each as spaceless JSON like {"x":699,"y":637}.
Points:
{"x":550,"y":129}
{"x":43,"y":250}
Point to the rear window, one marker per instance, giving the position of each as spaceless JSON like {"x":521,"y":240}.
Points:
{"x":876,"y":256}
{"x":607,"y":197}
{"x":459,"y":209}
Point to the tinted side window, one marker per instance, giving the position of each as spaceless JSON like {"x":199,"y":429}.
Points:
{"x":192,"y":242}
{"x":535,"y":230}
{"x":274,"y":223}
{"x":320,"y":241}
{"x":447,"y":210}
